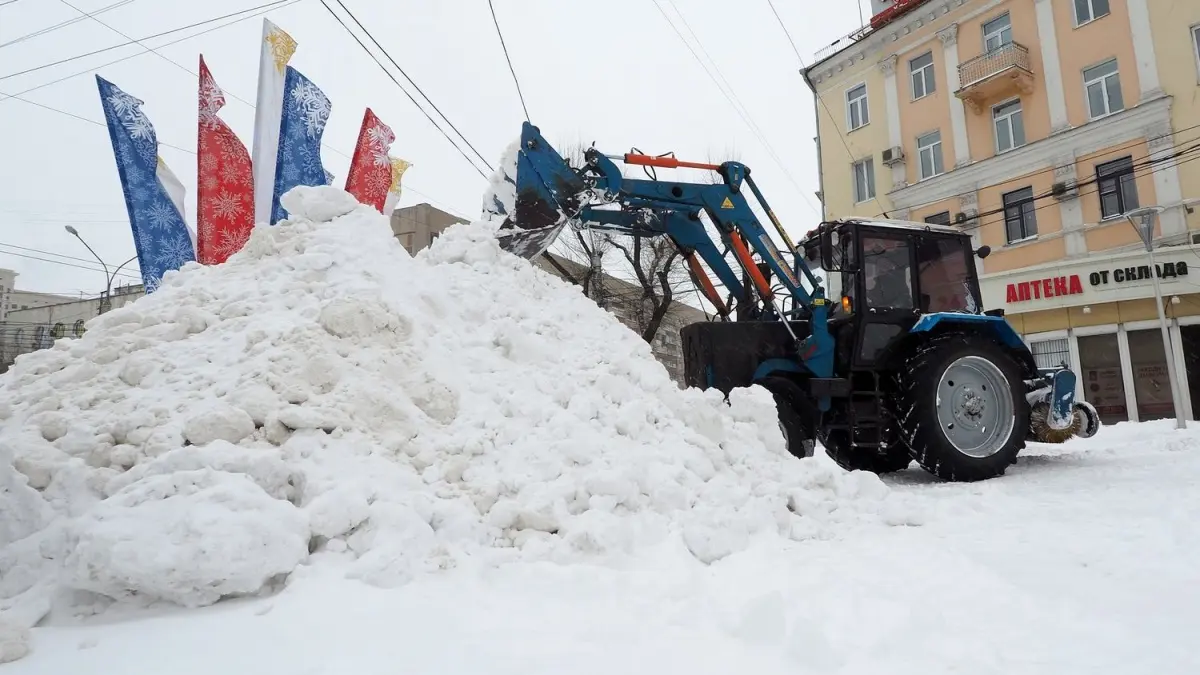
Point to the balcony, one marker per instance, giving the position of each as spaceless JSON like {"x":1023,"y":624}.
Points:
{"x":994,"y":76}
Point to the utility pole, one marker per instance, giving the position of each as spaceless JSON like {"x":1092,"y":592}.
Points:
{"x":1143,"y":220}
{"x":106,"y":299}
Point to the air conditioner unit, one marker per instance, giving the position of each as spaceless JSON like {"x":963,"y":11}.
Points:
{"x":960,"y":218}
{"x":1064,"y":190}
{"x":893,"y":155}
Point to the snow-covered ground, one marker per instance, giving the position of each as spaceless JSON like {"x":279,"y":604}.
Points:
{"x":341,"y":459}
{"x":1081,"y":560}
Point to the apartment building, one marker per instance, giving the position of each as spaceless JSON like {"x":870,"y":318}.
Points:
{"x":1036,"y":125}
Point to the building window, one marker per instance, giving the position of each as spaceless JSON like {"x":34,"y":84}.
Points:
{"x":1196,"y":46}
{"x":997,"y":33}
{"x":856,"y":107}
{"x":1100,"y":372}
{"x":1103,"y":86}
{"x":1020,"y":222}
{"x":864,"y":180}
{"x":923,"y":82}
{"x":942,"y":218}
{"x":1051,"y":354}
{"x":929,"y":148}
{"x":1009,"y":126}
{"x":1089,"y":10}
{"x":1118,"y":189}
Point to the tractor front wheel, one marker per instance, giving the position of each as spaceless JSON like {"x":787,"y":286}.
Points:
{"x":795,"y":415}
{"x":962,"y":408}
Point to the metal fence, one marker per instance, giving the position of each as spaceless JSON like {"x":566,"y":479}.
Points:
{"x":1011,"y":55}
{"x":18,"y":337}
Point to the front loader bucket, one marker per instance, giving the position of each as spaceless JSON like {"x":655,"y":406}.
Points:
{"x":547,"y":197}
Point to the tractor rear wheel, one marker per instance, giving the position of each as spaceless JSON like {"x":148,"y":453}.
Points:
{"x":962,"y":408}
{"x":893,"y":458}
{"x":795,"y":415}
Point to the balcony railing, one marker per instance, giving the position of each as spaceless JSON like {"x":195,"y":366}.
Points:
{"x":1005,"y":57}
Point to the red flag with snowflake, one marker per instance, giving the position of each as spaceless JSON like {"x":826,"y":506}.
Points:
{"x":225,"y":182}
{"x":370,"y":174}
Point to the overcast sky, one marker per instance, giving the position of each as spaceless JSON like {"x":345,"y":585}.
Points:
{"x":613,"y":72}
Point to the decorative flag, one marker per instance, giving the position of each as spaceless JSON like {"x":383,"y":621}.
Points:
{"x":399,"y":166}
{"x":160,"y":234}
{"x":370,"y":176}
{"x":276,"y":50}
{"x":305,"y":111}
{"x":225,"y":191}
{"x":176,"y":192}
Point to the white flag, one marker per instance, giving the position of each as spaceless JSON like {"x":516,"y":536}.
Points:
{"x":277,"y":49}
{"x":177,"y":193}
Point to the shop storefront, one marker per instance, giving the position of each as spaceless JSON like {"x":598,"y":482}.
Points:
{"x":1097,"y":315}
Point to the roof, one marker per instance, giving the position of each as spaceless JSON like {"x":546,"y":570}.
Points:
{"x":902,"y":225}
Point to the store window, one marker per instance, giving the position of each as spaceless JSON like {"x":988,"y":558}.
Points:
{"x":1051,"y":353}
{"x":1151,"y":382}
{"x":1100,"y":372}
{"x":1190,"y":337}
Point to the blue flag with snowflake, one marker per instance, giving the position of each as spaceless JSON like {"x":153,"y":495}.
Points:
{"x":305,"y":111}
{"x":160,"y":234}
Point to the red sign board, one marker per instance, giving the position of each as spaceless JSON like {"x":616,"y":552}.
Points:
{"x":1040,"y":289}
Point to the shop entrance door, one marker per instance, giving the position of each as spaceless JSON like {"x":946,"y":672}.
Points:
{"x":1100,"y":372}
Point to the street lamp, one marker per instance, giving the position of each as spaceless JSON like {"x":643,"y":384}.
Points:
{"x":1143,"y":221}
{"x":106,"y":301}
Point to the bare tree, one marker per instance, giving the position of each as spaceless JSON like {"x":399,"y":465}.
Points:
{"x":659,"y":276}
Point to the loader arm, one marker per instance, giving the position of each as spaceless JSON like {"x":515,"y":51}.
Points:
{"x":550,"y":194}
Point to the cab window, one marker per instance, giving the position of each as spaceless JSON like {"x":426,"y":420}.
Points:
{"x":887,"y":273}
{"x":944,"y":277}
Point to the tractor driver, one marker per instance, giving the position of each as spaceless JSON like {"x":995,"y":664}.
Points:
{"x":886,"y":272}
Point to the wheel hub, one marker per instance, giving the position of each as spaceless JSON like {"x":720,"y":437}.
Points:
{"x":974,"y":406}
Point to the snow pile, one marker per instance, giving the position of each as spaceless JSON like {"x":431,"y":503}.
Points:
{"x":325,"y":391}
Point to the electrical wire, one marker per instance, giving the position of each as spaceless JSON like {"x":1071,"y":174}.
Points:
{"x":85,"y":119}
{"x":510,"y":64}
{"x":90,"y":261}
{"x":1036,"y":172}
{"x":1149,"y":163}
{"x":405,"y":91}
{"x":66,"y":264}
{"x":269,"y":5}
{"x":61,"y":24}
{"x":754,"y":129}
{"x":410,"y":81}
{"x":820,"y":99}
{"x":273,"y":5}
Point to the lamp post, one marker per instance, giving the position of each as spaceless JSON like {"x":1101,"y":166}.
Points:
{"x":106,"y":301}
{"x":1143,"y":221}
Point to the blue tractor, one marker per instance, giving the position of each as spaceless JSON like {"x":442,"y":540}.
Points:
{"x":903,"y":364}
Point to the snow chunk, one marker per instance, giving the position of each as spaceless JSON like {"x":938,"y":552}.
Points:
{"x":319,"y":204}
{"x":219,"y":422}
{"x":14,"y":642}
{"x":190,"y":537}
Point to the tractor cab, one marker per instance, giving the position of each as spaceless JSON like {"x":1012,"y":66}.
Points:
{"x":891,"y":273}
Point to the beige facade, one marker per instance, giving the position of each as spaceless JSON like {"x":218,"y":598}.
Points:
{"x":12,"y":299}
{"x":417,"y":226}
{"x":1035,"y":125}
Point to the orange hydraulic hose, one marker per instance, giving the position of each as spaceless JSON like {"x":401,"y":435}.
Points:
{"x":760,"y":282}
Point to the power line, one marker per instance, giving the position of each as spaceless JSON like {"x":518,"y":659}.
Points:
{"x":65,"y":264}
{"x":1110,"y":151}
{"x":286,"y":3}
{"x":89,"y":261}
{"x":736,"y":107}
{"x":510,"y":64}
{"x":269,"y":5}
{"x":405,"y":91}
{"x":85,"y":119}
{"x":61,"y":24}
{"x":820,"y":99}
{"x":409,"y":79}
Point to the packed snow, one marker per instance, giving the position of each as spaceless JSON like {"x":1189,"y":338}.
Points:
{"x":325,"y":396}
{"x":1079,"y":561}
